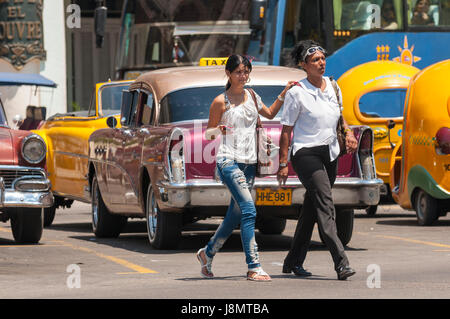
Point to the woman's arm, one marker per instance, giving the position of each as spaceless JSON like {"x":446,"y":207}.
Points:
{"x":285,"y":141}
{"x":272,"y":111}
{"x":215,"y":114}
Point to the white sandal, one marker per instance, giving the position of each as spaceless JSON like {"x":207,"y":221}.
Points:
{"x":206,"y":263}
{"x":258,"y":274}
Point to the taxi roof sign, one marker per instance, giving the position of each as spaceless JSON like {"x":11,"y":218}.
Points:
{"x":212,"y":61}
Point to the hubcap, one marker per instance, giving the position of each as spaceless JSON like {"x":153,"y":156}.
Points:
{"x":152,"y":213}
{"x":422,"y":204}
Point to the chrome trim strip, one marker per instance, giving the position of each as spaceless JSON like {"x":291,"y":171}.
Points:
{"x":11,"y":167}
{"x":26,"y":199}
{"x":265,"y":183}
{"x":31,"y":180}
{"x":72,"y":154}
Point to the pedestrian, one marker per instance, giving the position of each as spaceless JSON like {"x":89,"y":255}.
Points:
{"x":311,"y":112}
{"x":233,"y":115}
{"x":421,"y":15}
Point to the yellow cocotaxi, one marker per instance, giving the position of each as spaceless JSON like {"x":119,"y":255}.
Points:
{"x":373,"y":93}
{"x":66,"y":136}
{"x":420,"y":164}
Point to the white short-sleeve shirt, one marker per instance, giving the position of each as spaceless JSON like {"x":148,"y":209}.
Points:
{"x":314,"y":115}
{"x":240,"y":141}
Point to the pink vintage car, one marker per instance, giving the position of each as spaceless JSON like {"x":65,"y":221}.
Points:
{"x":24,"y":186}
{"x":159,"y":166}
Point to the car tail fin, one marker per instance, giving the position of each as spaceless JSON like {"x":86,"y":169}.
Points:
{"x":365,"y":152}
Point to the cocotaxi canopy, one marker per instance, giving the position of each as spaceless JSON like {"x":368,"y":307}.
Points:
{"x":7,"y":78}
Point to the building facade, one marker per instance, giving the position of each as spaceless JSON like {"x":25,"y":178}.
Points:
{"x":55,"y":38}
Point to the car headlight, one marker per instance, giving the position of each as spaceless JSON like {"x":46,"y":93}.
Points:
{"x":33,"y":149}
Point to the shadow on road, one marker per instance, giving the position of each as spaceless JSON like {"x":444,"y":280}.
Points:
{"x":134,"y":238}
{"x":413,"y":222}
{"x":7,"y":242}
{"x":283,"y":276}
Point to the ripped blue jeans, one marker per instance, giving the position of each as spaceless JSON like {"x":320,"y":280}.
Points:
{"x":238,"y":178}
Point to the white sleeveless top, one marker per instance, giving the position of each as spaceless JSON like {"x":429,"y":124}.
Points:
{"x":239,"y":143}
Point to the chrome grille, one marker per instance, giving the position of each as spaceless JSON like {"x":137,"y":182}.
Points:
{"x":10,"y":175}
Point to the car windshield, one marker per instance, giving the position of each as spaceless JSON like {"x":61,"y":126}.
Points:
{"x":384,"y":103}
{"x":3,"y":121}
{"x":111,"y":99}
{"x":194,"y":103}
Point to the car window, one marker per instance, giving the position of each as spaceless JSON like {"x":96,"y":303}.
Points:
{"x":368,"y":14}
{"x":111,"y":99}
{"x":429,"y":13}
{"x":134,"y":109}
{"x":383,"y":103}
{"x":2,"y":115}
{"x":194,"y":103}
{"x":147,"y":110}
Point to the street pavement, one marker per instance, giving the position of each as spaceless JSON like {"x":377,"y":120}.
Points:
{"x":393,"y":256}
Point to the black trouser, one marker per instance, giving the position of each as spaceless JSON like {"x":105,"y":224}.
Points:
{"x":317,"y":174}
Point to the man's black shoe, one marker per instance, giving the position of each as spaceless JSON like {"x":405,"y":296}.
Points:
{"x":297,"y":270}
{"x":345,"y":272}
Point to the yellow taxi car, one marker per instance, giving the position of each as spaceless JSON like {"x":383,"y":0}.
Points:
{"x":373,"y":94}
{"x":66,"y":136}
{"x":420,"y":164}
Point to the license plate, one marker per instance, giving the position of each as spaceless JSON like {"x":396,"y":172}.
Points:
{"x":271,"y":197}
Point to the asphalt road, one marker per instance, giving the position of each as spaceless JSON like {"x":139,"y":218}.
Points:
{"x":393,"y":257}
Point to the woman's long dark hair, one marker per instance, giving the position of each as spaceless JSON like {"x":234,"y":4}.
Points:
{"x":233,"y":62}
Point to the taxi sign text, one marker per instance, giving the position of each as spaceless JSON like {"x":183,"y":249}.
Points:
{"x":213,"y":61}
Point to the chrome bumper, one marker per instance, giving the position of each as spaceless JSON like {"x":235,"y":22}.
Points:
{"x":352,"y":192}
{"x":31,"y":193}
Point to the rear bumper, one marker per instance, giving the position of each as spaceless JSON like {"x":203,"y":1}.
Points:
{"x":30,"y":193}
{"x":350,"y":192}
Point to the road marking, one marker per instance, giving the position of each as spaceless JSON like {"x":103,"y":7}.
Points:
{"x":5,"y":230}
{"x":137,"y":269}
{"x":428,"y":243}
{"x":35,"y":245}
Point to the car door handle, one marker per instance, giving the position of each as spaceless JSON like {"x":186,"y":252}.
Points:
{"x":144,"y":131}
{"x":127,"y":133}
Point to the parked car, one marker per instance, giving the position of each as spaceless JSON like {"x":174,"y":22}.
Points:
{"x":420,"y":164}
{"x":24,"y":186}
{"x":66,"y":136}
{"x":159,"y":166}
{"x":374,"y":95}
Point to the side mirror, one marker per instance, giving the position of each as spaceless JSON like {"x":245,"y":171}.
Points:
{"x":258,"y":14}
{"x":100,"y":16}
{"x":18,"y":120}
{"x":111,"y":122}
{"x":390,"y":124}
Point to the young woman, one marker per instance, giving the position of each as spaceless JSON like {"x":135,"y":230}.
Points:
{"x":420,"y":13}
{"x":234,"y":115}
{"x":311,"y":112}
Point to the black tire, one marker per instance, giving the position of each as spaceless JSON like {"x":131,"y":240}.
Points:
{"x":271,"y":225}
{"x":104,"y":224}
{"x":27,"y":225}
{"x":426,"y":208}
{"x":49,"y":215}
{"x":163,"y":228}
{"x":344,"y":225}
{"x":371,"y":210}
